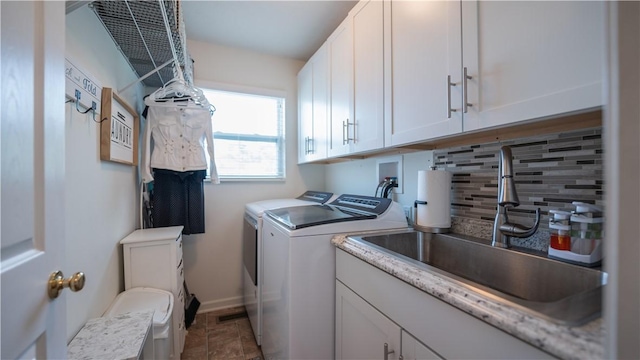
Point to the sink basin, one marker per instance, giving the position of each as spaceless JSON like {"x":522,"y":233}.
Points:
{"x":558,"y":291}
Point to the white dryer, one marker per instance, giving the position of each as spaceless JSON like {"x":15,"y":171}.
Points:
{"x":252,"y":250}
{"x":298,"y":291}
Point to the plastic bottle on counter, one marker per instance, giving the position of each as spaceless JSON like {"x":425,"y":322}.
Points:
{"x":586,"y":228}
{"x":560,"y":227}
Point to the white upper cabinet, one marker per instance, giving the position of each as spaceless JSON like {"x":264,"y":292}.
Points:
{"x":404,"y":72}
{"x":423,"y":51}
{"x":368,"y":76}
{"x":313,"y":103}
{"x":340,"y":47}
{"x":356,"y":54}
{"x":531,"y":59}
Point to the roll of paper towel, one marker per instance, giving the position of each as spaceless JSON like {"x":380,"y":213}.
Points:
{"x":434,"y":187}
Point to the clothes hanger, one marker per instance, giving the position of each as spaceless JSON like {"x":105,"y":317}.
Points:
{"x":178,"y":93}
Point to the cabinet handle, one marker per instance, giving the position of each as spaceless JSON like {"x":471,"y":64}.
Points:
{"x":354,"y":131}
{"x":312,"y":146}
{"x":449,"y":85}
{"x":465,"y":77}
{"x":345,"y":130}
{"x":387,"y":352}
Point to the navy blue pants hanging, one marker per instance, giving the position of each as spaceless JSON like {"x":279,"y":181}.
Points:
{"x":178,"y":199}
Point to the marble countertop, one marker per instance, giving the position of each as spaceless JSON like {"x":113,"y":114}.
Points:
{"x":117,"y":337}
{"x":565,"y":342}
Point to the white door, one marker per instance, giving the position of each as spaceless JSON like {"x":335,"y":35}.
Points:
{"x":425,"y":59}
{"x":531,"y":59}
{"x":368,"y":76}
{"x":362,"y":332}
{"x":413,"y":349}
{"x":305,"y":111}
{"x":340,"y":45}
{"x":32,"y":173}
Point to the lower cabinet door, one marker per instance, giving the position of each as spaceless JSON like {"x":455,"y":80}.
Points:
{"x":362,"y":332}
{"x":412,"y":349}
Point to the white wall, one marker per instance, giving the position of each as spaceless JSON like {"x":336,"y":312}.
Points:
{"x":100,"y":195}
{"x":360,"y":176}
{"x":213,"y":261}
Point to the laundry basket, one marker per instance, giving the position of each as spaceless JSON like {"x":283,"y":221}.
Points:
{"x":144,"y":298}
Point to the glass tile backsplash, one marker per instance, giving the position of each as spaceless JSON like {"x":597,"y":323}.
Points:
{"x":551,"y":171}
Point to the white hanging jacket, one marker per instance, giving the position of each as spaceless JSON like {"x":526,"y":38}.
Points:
{"x":178,"y":135}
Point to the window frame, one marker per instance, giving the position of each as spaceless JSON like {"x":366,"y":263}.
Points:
{"x":281,"y":144}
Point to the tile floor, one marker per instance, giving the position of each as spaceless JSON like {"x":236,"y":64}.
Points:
{"x":209,"y":339}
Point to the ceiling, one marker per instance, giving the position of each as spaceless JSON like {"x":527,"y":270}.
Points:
{"x":292,"y":29}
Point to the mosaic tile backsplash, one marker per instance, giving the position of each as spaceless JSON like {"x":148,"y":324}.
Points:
{"x":551,"y":171}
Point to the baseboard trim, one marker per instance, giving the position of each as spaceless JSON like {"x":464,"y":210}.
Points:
{"x":208,"y":306}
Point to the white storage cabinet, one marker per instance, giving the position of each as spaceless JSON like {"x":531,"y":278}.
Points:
{"x":423,"y":55}
{"x":529,"y":60}
{"x":153,"y":258}
{"x":313,"y":104}
{"x":340,"y":47}
{"x":373,"y":308}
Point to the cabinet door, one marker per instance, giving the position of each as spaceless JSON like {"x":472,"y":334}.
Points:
{"x":340,"y":45}
{"x":312,"y":108}
{"x":361,"y":330}
{"x":412,"y":349}
{"x":318,"y":143}
{"x":368,"y":76}
{"x":425,"y":45}
{"x":531,"y":59}
{"x":305,"y":111}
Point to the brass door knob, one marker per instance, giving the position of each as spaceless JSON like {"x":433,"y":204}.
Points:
{"x":57,"y":283}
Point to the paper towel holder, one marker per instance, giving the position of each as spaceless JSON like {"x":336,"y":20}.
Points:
{"x":425,"y":229}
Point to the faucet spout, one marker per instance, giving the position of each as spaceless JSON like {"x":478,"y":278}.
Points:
{"x":508,"y":198}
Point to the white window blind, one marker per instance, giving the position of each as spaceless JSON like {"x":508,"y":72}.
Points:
{"x":248,"y":135}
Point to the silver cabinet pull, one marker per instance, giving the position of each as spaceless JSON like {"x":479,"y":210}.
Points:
{"x":449,"y":85}
{"x":354,"y":131}
{"x":387,"y":352}
{"x":345,"y":132}
{"x":311,"y":146}
{"x":465,"y":77}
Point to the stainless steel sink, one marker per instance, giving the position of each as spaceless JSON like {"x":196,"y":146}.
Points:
{"x":552,"y":289}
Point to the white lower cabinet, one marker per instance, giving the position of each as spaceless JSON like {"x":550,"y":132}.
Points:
{"x":413,"y":349}
{"x":361,"y":330}
{"x":374,"y":308}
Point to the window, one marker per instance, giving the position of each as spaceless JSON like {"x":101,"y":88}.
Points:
{"x":248,"y":135}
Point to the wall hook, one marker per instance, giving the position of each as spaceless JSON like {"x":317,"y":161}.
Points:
{"x":93,"y":107}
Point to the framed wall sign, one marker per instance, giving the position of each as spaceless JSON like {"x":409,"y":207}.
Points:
{"x":118,"y":130}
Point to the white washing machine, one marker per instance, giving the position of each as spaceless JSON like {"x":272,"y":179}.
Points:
{"x":252,"y":250}
{"x":298,"y":292}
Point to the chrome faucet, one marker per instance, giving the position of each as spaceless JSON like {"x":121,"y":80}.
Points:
{"x":508,"y":198}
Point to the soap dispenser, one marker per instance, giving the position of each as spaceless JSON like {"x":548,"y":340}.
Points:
{"x":560,"y":227}
{"x":586,"y":224}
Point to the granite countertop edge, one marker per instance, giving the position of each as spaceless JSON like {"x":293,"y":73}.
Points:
{"x":566,"y":342}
